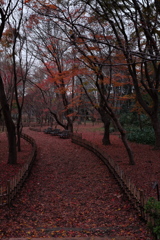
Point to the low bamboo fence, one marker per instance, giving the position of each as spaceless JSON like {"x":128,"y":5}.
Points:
{"x":136,"y":196}
{"x":9,"y":192}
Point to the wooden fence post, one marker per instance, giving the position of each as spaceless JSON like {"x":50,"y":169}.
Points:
{"x":14,"y":185}
{"x":142,"y":204}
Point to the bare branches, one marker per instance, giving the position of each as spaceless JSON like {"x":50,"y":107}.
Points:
{"x":2,"y":22}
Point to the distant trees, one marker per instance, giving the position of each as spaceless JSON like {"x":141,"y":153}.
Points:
{"x":110,"y":36}
{"x":87,"y":36}
{"x":99,"y":49}
{"x":59,"y":88}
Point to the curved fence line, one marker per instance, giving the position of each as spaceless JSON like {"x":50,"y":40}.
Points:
{"x":135,"y":195}
{"x":8,"y":193}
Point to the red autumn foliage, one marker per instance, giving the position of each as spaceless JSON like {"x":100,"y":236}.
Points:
{"x":70,"y":192}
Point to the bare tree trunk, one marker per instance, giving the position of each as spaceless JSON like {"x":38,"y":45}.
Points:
{"x":106,"y":122}
{"x":12,"y":156}
{"x":69,"y":125}
{"x":19,"y":130}
{"x":156,"y":127}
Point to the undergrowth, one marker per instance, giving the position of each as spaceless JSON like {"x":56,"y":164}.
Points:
{"x":144,"y":136}
{"x":152,"y":207}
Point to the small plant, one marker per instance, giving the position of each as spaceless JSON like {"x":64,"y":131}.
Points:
{"x":152,"y":207}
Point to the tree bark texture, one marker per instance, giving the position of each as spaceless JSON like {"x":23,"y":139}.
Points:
{"x":106,"y":121}
{"x":12,"y":156}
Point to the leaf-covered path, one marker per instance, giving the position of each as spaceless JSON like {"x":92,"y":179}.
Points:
{"x":70,"y":192}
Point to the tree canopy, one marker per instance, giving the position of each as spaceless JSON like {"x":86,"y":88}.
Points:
{"x":81,"y":57}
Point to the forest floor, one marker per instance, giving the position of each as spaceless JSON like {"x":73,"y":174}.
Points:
{"x":146,"y":170}
{"x":70,"y":192}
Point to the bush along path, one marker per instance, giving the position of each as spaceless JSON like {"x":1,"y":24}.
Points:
{"x":70,"y":193}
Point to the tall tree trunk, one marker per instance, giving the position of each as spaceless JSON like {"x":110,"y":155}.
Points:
{"x":19,"y":130}
{"x":105,"y":106}
{"x":156,"y":127}
{"x":123,"y":135}
{"x":12,"y":156}
{"x":106,"y":121}
{"x":69,"y":125}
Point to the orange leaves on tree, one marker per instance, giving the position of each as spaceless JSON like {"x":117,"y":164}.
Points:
{"x":7,"y":38}
{"x":106,"y":80}
{"x":118,"y":83}
{"x":120,"y":75}
{"x":137,"y":108}
{"x":62,"y":77}
{"x":80,"y":40}
{"x":76,"y":100}
{"x":94,"y":48}
{"x":127,"y":97}
{"x":120,"y":79}
{"x":72,"y":114}
{"x":33,"y":19}
{"x":91,"y":19}
{"x":102,"y":37}
{"x":61,"y":89}
{"x":92,"y":89}
{"x":51,"y":6}
{"x":9,"y":32}
{"x":27,"y":1}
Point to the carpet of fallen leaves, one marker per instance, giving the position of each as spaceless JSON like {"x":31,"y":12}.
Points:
{"x":144,"y":173}
{"x":7,"y":172}
{"x":70,"y":192}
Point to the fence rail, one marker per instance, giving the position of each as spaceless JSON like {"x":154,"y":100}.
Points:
{"x":8,"y":193}
{"x":135,"y":195}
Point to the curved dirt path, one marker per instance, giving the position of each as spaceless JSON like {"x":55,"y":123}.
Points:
{"x":70,"y":192}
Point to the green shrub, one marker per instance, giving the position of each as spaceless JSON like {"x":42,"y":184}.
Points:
{"x":145,"y":136}
{"x":152,"y":207}
{"x":128,"y":118}
{"x":134,"y":119}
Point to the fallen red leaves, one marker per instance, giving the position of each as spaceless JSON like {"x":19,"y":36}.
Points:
{"x":70,"y":192}
{"x":147,"y":169}
{"x":7,"y":172}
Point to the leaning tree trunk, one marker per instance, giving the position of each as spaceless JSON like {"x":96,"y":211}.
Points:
{"x":123,"y":136}
{"x":12,"y":156}
{"x":105,"y":106}
{"x":125,"y":142}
